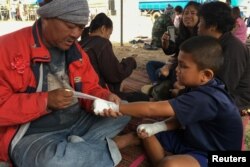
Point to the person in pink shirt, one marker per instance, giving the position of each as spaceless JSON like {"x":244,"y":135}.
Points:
{"x":240,"y":30}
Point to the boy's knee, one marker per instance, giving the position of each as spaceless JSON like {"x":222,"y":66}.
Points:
{"x":167,"y":162}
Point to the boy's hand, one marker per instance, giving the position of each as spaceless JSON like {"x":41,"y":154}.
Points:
{"x":147,"y":130}
{"x":144,"y":131}
{"x":106,"y":108}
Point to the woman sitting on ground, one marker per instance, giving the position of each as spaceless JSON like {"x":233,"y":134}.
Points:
{"x":95,"y":41}
{"x":160,"y":72}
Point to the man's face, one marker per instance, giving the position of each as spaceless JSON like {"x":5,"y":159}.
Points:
{"x":59,"y":33}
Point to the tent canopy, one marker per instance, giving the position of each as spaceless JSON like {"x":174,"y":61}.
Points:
{"x":30,"y":1}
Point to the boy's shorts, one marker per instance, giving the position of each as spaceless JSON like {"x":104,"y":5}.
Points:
{"x":171,"y":142}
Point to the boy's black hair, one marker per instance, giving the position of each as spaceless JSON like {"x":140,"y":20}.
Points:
{"x":217,"y":14}
{"x":206,"y":52}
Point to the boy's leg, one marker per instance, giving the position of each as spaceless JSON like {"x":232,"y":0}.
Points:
{"x":153,"y":149}
{"x":161,"y":158}
{"x":184,"y":160}
{"x":126,"y":140}
{"x":169,"y":142}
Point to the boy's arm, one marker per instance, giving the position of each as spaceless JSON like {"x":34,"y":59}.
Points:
{"x":172,"y":123}
{"x":136,"y":109}
{"x":147,"y":109}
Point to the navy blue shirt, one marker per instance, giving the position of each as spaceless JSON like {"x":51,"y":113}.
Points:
{"x":210,"y":118}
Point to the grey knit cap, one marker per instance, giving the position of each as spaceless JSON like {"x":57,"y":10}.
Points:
{"x":73,"y":11}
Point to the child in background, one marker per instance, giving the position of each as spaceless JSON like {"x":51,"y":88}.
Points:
{"x":240,"y":29}
{"x":177,"y":16}
{"x":203,"y":119}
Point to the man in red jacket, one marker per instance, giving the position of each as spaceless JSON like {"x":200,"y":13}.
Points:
{"x":42,"y":123}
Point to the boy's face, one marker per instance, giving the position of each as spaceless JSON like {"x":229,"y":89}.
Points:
{"x":187,"y":71}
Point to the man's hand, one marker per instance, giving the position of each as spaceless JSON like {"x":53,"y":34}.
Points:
{"x":59,"y":98}
{"x":114,"y":98}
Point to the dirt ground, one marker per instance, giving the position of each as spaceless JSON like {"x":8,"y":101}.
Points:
{"x":142,"y":55}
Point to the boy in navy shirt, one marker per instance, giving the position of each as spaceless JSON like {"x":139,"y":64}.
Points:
{"x":205,"y":118}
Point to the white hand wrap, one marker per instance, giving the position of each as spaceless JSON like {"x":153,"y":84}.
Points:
{"x":99,"y":105}
{"x":153,"y":128}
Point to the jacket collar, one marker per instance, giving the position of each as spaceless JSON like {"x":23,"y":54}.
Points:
{"x":39,"y":52}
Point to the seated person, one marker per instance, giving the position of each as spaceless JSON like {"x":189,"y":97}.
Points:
{"x":158,"y":71}
{"x":240,"y":29}
{"x":188,"y":28}
{"x":160,"y":74}
{"x":42,"y":122}
{"x":160,"y":26}
{"x":177,"y":16}
{"x":216,"y":21}
{"x":111,"y":72}
{"x":203,"y":119}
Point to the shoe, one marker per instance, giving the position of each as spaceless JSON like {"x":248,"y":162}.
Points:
{"x":140,"y":41}
{"x":149,"y":47}
{"x":146,"y":89}
{"x":132,"y":42}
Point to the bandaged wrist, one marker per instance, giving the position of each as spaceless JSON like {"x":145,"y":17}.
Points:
{"x":153,"y":128}
{"x":113,"y":106}
{"x":99,"y":105}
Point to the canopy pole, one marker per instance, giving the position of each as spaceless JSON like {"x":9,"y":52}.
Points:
{"x":121,"y":23}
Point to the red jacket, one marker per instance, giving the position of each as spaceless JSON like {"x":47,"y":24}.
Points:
{"x":21,"y":54}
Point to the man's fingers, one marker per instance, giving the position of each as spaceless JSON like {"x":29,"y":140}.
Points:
{"x":68,"y":93}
